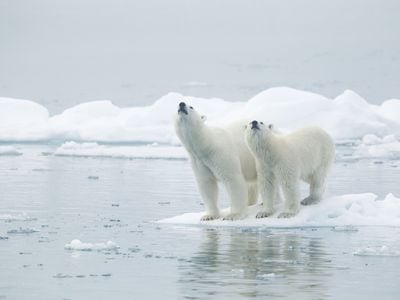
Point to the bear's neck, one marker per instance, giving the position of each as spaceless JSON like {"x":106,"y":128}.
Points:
{"x":271,"y":147}
{"x":196,"y":140}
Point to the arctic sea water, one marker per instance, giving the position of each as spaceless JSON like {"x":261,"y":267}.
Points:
{"x":90,"y":211}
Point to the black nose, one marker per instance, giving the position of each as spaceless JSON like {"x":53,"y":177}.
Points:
{"x":254,"y":125}
{"x":182,"y":108}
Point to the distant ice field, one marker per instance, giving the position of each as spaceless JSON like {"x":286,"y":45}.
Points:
{"x":348,"y":116}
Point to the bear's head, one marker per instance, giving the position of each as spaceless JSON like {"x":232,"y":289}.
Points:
{"x":256,"y":132}
{"x":188,"y":117}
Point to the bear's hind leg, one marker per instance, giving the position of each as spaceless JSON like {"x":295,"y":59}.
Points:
{"x":317,"y":189}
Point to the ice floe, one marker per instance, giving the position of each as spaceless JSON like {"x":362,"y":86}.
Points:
{"x":377,"y":251}
{"x":11,"y":217}
{"x":347,"y":210}
{"x":347,"y":116}
{"x":372,"y":146}
{"x":135,"y":152}
{"x":9,"y":151}
{"x":77,"y":245}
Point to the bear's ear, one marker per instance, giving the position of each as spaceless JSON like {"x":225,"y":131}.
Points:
{"x":204,"y":118}
{"x":245,"y":126}
{"x":271,"y":126}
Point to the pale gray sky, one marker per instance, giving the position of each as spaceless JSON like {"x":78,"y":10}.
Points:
{"x":60,"y":53}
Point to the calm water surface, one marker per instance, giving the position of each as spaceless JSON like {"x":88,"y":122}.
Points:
{"x":62,"y":203}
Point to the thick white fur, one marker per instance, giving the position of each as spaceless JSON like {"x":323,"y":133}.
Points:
{"x":219,"y":154}
{"x":285,"y":159}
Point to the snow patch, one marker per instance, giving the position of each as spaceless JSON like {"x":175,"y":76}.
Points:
{"x":77,"y":245}
{"x":346,"y":210}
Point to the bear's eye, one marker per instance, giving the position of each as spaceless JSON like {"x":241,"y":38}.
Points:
{"x":261,"y":123}
{"x":191,"y":107}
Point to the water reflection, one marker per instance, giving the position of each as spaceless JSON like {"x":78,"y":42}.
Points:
{"x":238,"y":263}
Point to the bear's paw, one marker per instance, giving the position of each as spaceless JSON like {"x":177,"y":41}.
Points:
{"x":232,"y":217}
{"x":207,"y":217}
{"x":286,"y":215}
{"x":264,"y":214}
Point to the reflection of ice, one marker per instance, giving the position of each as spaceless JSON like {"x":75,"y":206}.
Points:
{"x":377,"y":251}
{"x":235,"y":263}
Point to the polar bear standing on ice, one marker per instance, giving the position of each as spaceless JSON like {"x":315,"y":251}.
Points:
{"x":285,"y":159}
{"x":218,"y":154}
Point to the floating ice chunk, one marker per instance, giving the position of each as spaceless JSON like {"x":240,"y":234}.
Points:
{"x":16,"y":217}
{"x":9,"y":151}
{"x":377,"y":251}
{"x":22,"y":120}
{"x":347,"y":210}
{"x":133,"y":152}
{"x":77,"y":245}
{"x":373,"y":146}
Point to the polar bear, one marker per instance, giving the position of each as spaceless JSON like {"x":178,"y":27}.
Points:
{"x":218,"y":154}
{"x":284,"y":159}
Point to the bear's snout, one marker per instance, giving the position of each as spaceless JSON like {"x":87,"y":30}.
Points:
{"x":182,"y":108}
{"x":254,"y":125}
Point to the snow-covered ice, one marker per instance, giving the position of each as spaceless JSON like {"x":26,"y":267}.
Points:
{"x":11,"y":217}
{"x":372,"y":146}
{"x":9,"y":151}
{"x":95,"y":150}
{"x":77,"y":245}
{"x":346,"y":210}
{"x":347,"y":116}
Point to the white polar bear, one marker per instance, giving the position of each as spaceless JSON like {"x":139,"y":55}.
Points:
{"x":218,"y":154}
{"x":284,"y":159}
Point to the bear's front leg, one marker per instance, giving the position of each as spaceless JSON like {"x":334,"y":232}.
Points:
{"x":237,"y":191}
{"x":208,"y":188}
{"x":290,"y":187}
{"x":268,"y":186}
